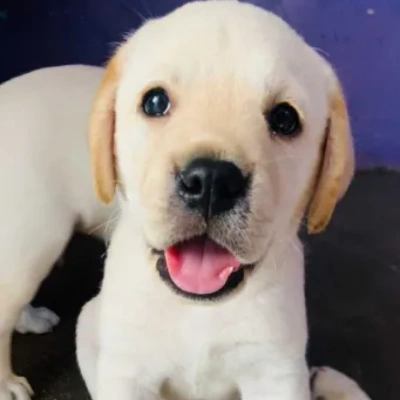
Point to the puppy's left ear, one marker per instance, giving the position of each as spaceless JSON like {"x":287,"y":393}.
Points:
{"x":337,"y":163}
{"x":101,"y":131}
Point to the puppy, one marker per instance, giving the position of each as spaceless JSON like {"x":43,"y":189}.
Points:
{"x":219,"y":126}
{"x":47,"y":192}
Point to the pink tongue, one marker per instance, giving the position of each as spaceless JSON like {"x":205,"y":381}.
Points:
{"x":200,"y":266}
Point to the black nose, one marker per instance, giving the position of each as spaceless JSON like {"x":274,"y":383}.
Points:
{"x":211,"y":187}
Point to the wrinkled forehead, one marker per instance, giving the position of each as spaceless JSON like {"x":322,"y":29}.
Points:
{"x":241,"y":46}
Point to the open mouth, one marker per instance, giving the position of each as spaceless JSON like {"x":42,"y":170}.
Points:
{"x":200,"y":268}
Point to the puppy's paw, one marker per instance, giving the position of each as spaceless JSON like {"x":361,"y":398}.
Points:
{"x":328,"y":384}
{"x":15,"y":388}
{"x":36,"y":320}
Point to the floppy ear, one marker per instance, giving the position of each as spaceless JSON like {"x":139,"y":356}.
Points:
{"x":337,"y":162}
{"x":101,"y":132}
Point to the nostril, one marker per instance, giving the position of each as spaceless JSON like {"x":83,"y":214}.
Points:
{"x":229,"y":182}
{"x":194,"y":187}
{"x":229,"y":189}
{"x":192,"y":184}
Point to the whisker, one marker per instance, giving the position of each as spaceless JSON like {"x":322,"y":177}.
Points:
{"x":322,"y":51}
{"x":274,"y":263}
{"x":295,"y":245}
{"x":135,"y":11}
{"x":115,"y":215}
{"x":147,"y":8}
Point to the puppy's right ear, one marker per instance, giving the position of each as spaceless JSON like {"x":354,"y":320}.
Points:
{"x":101,"y":131}
{"x":337,"y":167}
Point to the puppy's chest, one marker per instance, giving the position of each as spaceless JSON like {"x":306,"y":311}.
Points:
{"x":207,"y":357}
{"x":192,"y":352}
{"x":200,"y":370}
{"x":191,"y":355}
{"x":203,"y":378}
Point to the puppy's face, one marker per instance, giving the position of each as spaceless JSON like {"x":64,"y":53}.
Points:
{"x":221,"y":126}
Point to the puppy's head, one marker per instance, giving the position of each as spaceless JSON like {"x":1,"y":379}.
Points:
{"x":221,"y":127}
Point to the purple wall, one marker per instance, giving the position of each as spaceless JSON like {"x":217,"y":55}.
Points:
{"x":360,"y":37}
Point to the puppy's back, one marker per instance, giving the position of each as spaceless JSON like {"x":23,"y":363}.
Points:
{"x":44,"y":158}
{"x":47,"y":108}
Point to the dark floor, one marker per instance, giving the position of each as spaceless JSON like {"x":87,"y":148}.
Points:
{"x":353,"y":288}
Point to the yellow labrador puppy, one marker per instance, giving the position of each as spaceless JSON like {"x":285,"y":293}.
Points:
{"x":47,"y":192}
{"x":219,"y":126}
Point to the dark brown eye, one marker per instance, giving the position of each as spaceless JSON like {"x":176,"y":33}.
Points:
{"x":284,"y":120}
{"x":156,"y":103}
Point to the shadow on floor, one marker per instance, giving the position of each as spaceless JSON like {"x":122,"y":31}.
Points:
{"x":353,"y":293}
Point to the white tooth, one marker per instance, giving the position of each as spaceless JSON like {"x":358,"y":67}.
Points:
{"x":226,"y":272}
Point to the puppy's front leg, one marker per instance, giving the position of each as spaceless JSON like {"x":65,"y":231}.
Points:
{"x":283,"y":383}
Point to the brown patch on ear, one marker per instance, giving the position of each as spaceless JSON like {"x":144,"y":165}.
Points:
{"x":337,"y":167}
{"x":101,"y":132}
{"x":303,"y":205}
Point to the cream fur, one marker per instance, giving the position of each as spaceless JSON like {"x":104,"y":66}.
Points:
{"x":46,"y":193}
{"x":223,"y":63}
